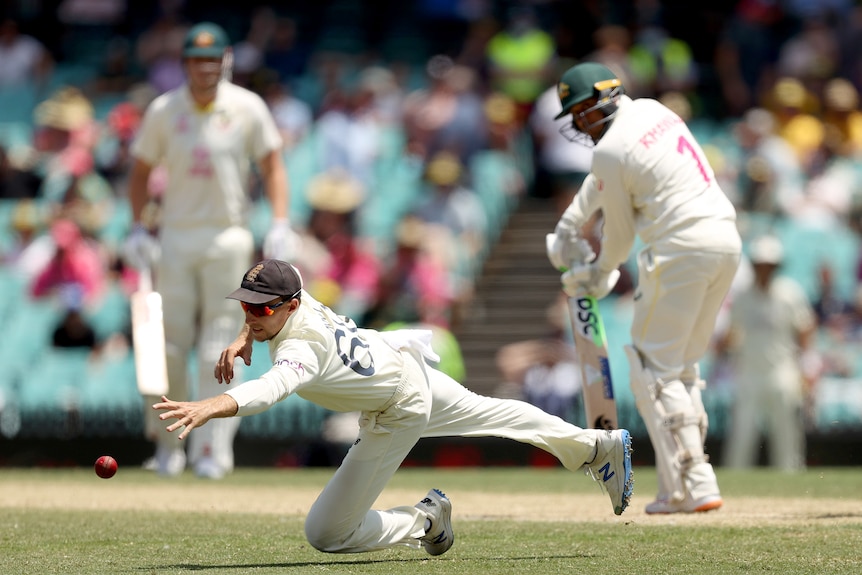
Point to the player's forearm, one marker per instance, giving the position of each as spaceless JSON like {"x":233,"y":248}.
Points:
{"x":222,"y":406}
{"x":276,"y":185}
{"x":258,"y":395}
{"x":584,"y":204}
{"x":244,"y":335}
{"x":138,"y":190}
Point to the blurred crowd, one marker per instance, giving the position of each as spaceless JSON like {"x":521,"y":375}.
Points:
{"x":411,"y":132}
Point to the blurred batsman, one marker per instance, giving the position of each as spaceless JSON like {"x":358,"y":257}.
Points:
{"x":206,"y":135}
{"x":651,"y":180}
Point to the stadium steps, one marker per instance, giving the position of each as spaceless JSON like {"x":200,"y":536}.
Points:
{"x":516,"y":286}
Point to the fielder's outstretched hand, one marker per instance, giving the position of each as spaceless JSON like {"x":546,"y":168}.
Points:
{"x":192,"y":414}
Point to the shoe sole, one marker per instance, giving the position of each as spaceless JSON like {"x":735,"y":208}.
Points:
{"x":709,"y":506}
{"x":628,"y":487}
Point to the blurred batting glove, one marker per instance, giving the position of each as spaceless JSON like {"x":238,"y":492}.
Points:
{"x":589,"y":280}
{"x":566,"y":250}
{"x":141,"y":249}
{"x":281,"y":242}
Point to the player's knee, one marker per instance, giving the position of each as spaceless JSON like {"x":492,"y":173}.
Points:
{"x":322,"y":537}
{"x":318,"y":538}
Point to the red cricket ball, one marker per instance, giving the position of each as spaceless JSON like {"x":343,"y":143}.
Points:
{"x":106,"y":467}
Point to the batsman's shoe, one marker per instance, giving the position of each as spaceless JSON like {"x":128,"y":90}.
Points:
{"x":170,"y":461}
{"x":439,"y":537}
{"x":150,"y":464}
{"x":612,"y":466}
{"x":702,"y":504}
{"x":207,"y":468}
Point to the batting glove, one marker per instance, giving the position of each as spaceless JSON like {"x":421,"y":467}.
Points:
{"x":281,"y":242}
{"x":566,"y":250}
{"x":589,"y":280}
{"x":141,"y":250}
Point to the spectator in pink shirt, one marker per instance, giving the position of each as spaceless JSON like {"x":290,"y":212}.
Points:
{"x":76,"y":261}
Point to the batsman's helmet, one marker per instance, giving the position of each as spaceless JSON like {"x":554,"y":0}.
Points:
{"x":588,"y":81}
{"x":205,"y":40}
{"x":584,"y":81}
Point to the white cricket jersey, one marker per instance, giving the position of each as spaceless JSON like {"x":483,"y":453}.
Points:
{"x":324,"y":358}
{"x":651,"y":179}
{"x":208,"y":153}
{"x":769,"y":324}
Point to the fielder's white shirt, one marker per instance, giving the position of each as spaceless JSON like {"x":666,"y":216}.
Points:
{"x":768,"y":324}
{"x":652,"y":180}
{"x":208,"y":153}
{"x":324,"y":358}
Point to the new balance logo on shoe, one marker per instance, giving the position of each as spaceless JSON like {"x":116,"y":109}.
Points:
{"x":612,"y":467}
{"x":439,"y":536}
{"x":604,"y":469}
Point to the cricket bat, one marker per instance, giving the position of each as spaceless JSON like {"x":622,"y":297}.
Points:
{"x":148,"y":338}
{"x":591,"y":346}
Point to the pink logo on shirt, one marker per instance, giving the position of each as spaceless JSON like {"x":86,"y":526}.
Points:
{"x":201,"y":165}
{"x":292,"y":364}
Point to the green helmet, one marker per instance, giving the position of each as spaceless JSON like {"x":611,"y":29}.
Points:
{"x":205,"y":40}
{"x":584,"y":81}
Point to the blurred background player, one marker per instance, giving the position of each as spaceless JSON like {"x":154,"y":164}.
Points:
{"x":650,"y":179}
{"x":771,"y":336}
{"x":206,"y":134}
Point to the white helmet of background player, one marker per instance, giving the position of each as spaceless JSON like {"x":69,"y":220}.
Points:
{"x":766,"y":250}
{"x":589,"y":92}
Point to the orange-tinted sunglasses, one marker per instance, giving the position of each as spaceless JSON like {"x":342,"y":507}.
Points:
{"x":259,"y":310}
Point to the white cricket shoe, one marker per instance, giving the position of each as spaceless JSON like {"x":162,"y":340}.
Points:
{"x":439,"y":537}
{"x":170,"y":461}
{"x":150,"y":464}
{"x":207,"y":468}
{"x":612,"y":466}
{"x":702,"y":504}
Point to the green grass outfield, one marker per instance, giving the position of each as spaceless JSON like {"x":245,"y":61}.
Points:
{"x":507,"y":521}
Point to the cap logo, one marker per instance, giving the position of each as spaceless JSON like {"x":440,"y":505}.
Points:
{"x":204,"y":40}
{"x":563,"y":90}
{"x":252,"y":274}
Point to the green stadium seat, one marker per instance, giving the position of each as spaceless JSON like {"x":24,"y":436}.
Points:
{"x":395,"y":194}
{"x":48,"y":393}
{"x":17,"y":103}
{"x":30,"y":324}
{"x":15,"y":134}
{"x":112,"y":314}
{"x":109,"y":402}
{"x":838,"y":404}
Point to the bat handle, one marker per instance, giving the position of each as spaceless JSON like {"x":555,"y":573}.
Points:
{"x":145,"y":279}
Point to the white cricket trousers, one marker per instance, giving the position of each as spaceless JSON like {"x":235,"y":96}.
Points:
{"x":430,"y":404}
{"x":769,"y":403}
{"x":198,"y":268}
{"x":676,"y":306}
